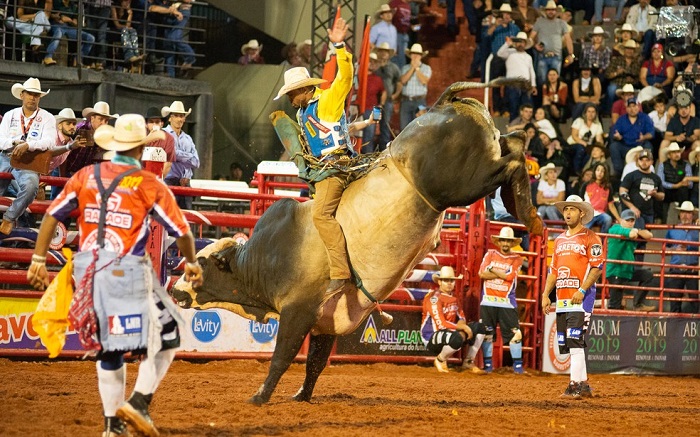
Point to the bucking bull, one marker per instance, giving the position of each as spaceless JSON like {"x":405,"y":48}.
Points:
{"x":451,"y":156}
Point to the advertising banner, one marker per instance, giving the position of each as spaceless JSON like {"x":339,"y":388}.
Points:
{"x":631,"y":344}
{"x":402,"y":337}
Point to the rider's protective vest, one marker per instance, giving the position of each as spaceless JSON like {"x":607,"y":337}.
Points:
{"x":323,"y":137}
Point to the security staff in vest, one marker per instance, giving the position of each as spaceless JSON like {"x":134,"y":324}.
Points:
{"x":324,"y":127}
{"x":675,"y":174}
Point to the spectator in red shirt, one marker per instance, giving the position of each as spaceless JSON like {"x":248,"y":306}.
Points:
{"x":376,"y":96}
{"x":402,"y":22}
{"x":154,"y":121}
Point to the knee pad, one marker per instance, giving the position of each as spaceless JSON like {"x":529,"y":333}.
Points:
{"x":455,"y":341}
{"x":112,"y":360}
{"x":517,"y":336}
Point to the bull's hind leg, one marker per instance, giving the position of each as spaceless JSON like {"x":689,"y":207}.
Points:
{"x":295,"y":324}
{"x":319,"y":350}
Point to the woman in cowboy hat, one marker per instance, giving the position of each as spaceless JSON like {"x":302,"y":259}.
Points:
{"x":251,"y":53}
{"x":154,"y":318}
{"x":597,"y":54}
{"x":550,"y":190}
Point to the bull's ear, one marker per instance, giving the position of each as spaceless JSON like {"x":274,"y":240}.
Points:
{"x":220,"y":261}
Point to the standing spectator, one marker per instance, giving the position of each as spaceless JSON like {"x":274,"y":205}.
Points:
{"x":585,"y":130}
{"x":643,"y":17}
{"x":623,"y":70}
{"x":414,"y":77}
{"x":402,"y":22}
{"x":681,"y":263}
{"x":622,"y":249}
{"x":383,"y":30}
{"x":235,"y":172}
{"x":175,"y":42}
{"x":599,"y":193}
{"x":675,"y":174}
{"x":127,"y":290}
{"x":622,"y":35}
{"x":31,"y":20}
{"x":525,"y":16}
{"x":657,"y":71}
{"x":632,"y":129}
{"x":585,"y":89}
{"x":501,"y":27}
{"x":98,"y":23}
{"x":375,"y":96}
{"x":619,"y":6}
{"x":526,"y":116}
{"x":598,"y":154}
{"x":555,"y":96}
{"x":156,"y":13}
{"x":391,"y":76}
{"x":597,"y":54}
{"x":95,"y":116}
{"x":683,"y":129}
{"x":576,"y":266}
{"x":251,"y":53}
{"x":154,"y":122}
{"x":469,"y":14}
{"x":304,"y":51}
{"x":122,"y":17}
{"x":187,"y":161}
{"x":499,"y":274}
{"x":550,"y":190}
{"x":24,"y":129}
{"x":64,"y":21}
{"x":549,"y":32}
{"x":518,"y":65}
{"x":640,"y":189}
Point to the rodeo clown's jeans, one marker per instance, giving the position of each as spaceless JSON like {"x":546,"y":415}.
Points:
{"x":328,"y":194}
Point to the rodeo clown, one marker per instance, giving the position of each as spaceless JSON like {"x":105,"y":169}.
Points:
{"x":324,"y":127}
{"x":113,"y":275}
{"x":443,"y":327}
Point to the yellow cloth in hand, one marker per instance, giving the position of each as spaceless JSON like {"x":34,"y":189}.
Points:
{"x":51,"y":316}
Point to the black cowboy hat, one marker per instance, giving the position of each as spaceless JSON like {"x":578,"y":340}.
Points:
{"x":152,"y":112}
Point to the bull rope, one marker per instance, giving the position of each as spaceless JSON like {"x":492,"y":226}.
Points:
{"x":401,"y":171}
{"x":386,"y":317}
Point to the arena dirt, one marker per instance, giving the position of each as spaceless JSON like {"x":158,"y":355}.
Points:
{"x":60,"y":398}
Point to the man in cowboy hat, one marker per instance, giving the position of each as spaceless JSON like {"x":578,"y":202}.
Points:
{"x":549,"y":32}
{"x":251,"y":53}
{"x":576,"y":266}
{"x":414,"y":77}
{"x":683,"y":128}
{"x":391,"y":76}
{"x":66,"y":140}
{"x":518,"y":65}
{"x":324,"y":128}
{"x":501,"y":26}
{"x":383,"y":30}
{"x":597,"y":54}
{"x":619,"y":107}
{"x":24,"y":129}
{"x":623,"y":70}
{"x":675,"y":174}
{"x":683,"y":264}
{"x":443,"y":327}
{"x":632,"y":129}
{"x":95,"y":116}
{"x":147,"y":306}
{"x":187,"y":158}
{"x":499,"y":273}
{"x":154,"y":122}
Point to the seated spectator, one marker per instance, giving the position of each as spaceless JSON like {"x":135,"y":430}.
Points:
{"x":122,"y":16}
{"x":550,"y":190}
{"x":543,"y":124}
{"x":619,"y":108}
{"x":95,"y":117}
{"x":555,"y":94}
{"x":235,"y":172}
{"x":622,"y":35}
{"x":623,"y":70}
{"x":631,"y":161}
{"x":291,"y":56}
{"x":251,"y":53}
{"x":619,"y":6}
{"x":695,"y":169}
{"x":64,"y":21}
{"x":599,"y":193}
{"x":632,"y":129}
{"x":526,"y":116}
{"x":683,"y":129}
{"x":692,"y":73}
{"x":597,"y":54}
{"x":585,"y":89}
{"x":599,"y":154}
{"x":622,"y":249}
{"x":675,"y":176}
{"x":30,"y":20}
{"x":660,"y":116}
{"x":578,"y":183}
{"x":175,"y":43}
{"x":681,"y":263}
{"x":657,"y":71}
{"x":549,"y":149}
{"x":585,"y":130}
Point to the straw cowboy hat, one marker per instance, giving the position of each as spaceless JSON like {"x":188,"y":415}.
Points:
{"x":550,"y":166}
{"x":32,"y":85}
{"x":522,"y":36}
{"x":385,"y":46}
{"x":383,"y":9}
{"x":175,"y":108}
{"x":693,"y":156}
{"x":128,"y":132}
{"x":627,"y":88}
{"x":579,"y":203}
{"x":416,"y":49}
{"x":295,"y":78}
{"x":627,"y":27}
{"x":630,"y":44}
{"x":598,"y":31}
{"x":687,"y":206}
{"x":673,"y":147}
{"x":252,"y":44}
{"x":446,"y":272}
{"x":551,"y":5}
{"x":632,"y":154}
{"x":66,"y":114}
{"x":505,"y":7}
{"x":100,"y":108}
{"x":506,"y":234}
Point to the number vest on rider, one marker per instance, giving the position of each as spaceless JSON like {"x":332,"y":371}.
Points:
{"x":500,"y":292}
{"x":323,"y":137}
{"x":574,"y":256}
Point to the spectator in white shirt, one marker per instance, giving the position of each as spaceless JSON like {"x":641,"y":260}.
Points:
{"x":518,"y":65}
{"x":643,"y":18}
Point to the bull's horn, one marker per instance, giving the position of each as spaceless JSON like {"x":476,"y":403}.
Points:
{"x":457,"y":87}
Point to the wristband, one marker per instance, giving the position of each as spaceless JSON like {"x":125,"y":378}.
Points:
{"x":38,"y":259}
{"x":582,"y":291}
{"x":339,"y":45}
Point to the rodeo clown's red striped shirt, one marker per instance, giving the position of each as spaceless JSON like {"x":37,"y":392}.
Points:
{"x":440,"y":311}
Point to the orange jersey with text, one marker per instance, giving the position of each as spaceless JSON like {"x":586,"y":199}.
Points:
{"x":500,"y":292}
{"x":440,"y":311}
{"x":139,"y":196}
{"x":573,"y":258}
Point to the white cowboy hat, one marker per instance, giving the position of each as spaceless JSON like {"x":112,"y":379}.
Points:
{"x":506,"y":234}
{"x":551,"y":5}
{"x":579,"y":203}
{"x":65,"y":115}
{"x":630,"y":44}
{"x":627,"y":88}
{"x":627,"y":27}
{"x":32,"y":85}
{"x":598,"y":31}
{"x":373,"y":56}
{"x":100,"y":108}
{"x":446,"y":272}
{"x":129,"y":131}
{"x":385,"y":46}
{"x":693,"y":156}
{"x":550,"y":166}
{"x":295,"y":78}
{"x":522,"y":36}
{"x":648,"y":93}
{"x":632,"y":153}
{"x":505,"y":7}
{"x":673,"y":147}
{"x":252,"y":44}
{"x":687,"y":206}
{"x":382,"y":9}
{"x":175,"y":108}
{"x":417,"y":49}
{"x":306,"y":42}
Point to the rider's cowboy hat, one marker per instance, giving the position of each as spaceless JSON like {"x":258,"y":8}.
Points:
{"x":295,"y":78}
{"x":100,"y":108}
{"x":175,"y":108}
{"x":446,"y":272}
{"x":31,"y":85}
{"x":579,"y":203}
{"x":252,"y":44}
{"x":66,"y":114}
{"x":506,"y":234}
{"x":129,"y":131}
{"x":416,"y":49}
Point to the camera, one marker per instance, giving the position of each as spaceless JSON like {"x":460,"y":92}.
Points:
{"x":678,"y":26}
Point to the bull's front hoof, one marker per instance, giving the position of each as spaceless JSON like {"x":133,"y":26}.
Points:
{"x":257,"y":400}
{"x":301,"y":397}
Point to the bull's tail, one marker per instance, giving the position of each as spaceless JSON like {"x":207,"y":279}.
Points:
{"x":450,"y":93}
